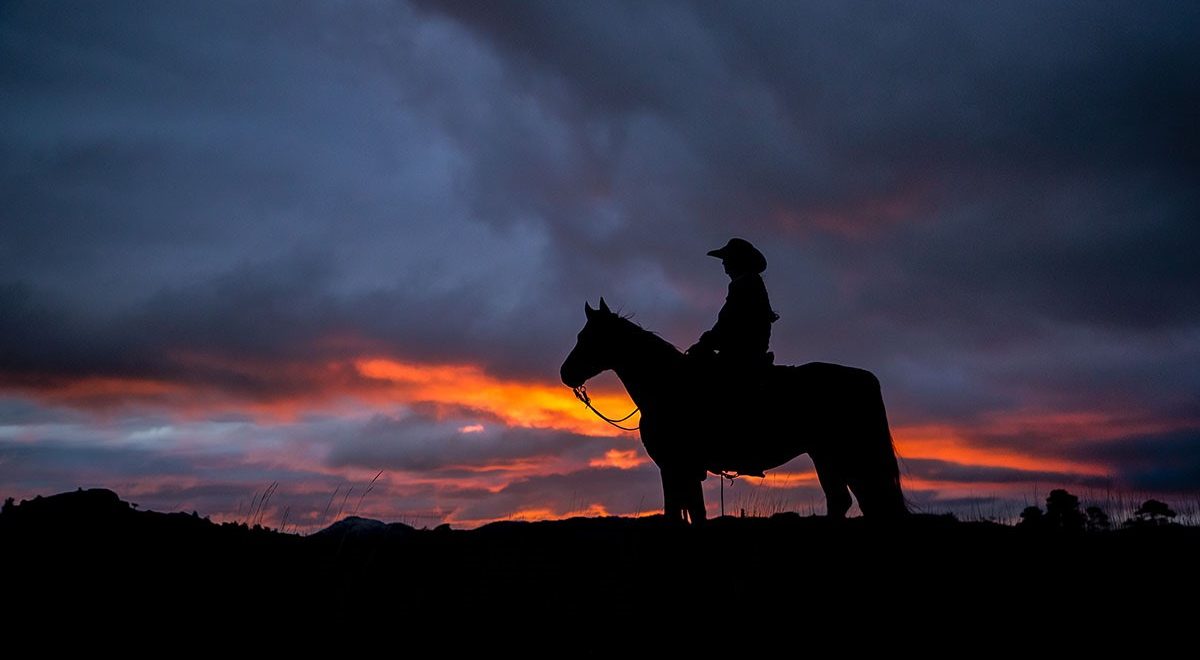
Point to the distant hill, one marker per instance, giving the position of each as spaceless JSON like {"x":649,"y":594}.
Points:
{"x":363,"y":529}
{"x":92,"y":547}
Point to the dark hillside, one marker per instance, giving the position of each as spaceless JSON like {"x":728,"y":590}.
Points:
{"x":91,"y":547}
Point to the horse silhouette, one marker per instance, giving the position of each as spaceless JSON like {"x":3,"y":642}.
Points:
{"x":693,"y":422}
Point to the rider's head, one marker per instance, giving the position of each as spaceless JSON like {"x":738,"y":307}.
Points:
{"x":739,"y":258}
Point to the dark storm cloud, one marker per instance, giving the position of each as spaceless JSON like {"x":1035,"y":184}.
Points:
{"x":246,"y":180}
{"x":993,"y":207}
{"x":833,"y":105}
{"x":961,"y":183}
{"x":27,"y":465}
{"x":1167,"y":462}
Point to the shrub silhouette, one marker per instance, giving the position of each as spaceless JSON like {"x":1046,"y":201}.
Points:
{"x":1032,"y":518}
{"x":1153,"y":512}
{"x":1062,"y":511}
{"x":1097,"y":519}
{"x":1062,"y":514}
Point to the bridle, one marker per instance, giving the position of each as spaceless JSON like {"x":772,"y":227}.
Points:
{"x":582,"y":395}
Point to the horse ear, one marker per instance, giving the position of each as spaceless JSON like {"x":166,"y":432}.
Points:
{"x":604,"y":306}
{"x":587,"y":310}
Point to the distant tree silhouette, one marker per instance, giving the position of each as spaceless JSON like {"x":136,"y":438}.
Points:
{"x":8,"y":506}
{"x":1153,"y":512}
{"x":1097,"y":519}
{"x":1032,"y":518}
{"x":1062,"y":511}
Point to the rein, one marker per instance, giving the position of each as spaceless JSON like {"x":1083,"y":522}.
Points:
{"x":582,"y":395}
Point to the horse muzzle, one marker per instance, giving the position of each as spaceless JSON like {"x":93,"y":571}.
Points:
{"x":570,"y":379}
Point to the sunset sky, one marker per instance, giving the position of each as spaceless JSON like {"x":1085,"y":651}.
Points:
{"x":312,"y":243}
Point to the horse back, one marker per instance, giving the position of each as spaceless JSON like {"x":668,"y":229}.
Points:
{"x":819,"y":380}
{"x":793,"y":410}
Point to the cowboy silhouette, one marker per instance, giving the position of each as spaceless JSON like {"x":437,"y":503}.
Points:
{"x":738,"y":343}
{"x":725,"y":410}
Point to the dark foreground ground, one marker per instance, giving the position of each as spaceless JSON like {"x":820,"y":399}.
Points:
{"x":88,"y":556}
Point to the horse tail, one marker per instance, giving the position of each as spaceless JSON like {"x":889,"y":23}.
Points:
{"x":882,"y":469}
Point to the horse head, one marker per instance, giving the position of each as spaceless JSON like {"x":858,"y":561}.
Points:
{"x":594,"y":348}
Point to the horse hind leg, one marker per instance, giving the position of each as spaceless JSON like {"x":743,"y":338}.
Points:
{"x":833,"y":482}
{"x":876,"y":479}
{"x":878,"y":495}
{"x":879,"y":498}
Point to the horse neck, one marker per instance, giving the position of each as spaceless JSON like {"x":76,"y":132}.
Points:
{"x":646,"y":367}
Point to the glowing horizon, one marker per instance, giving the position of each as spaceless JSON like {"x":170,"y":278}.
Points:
{"x":475,"y":403}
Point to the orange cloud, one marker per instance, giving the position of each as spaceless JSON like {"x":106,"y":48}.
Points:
{"x":91,"y":391}
{"x":546,"y":513}
{"x":518,"y":403}
{"x":283,"y":392}
{"x":624,"y":459}
{"x":948,"y":443}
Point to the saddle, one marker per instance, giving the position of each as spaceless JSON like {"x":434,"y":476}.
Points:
{"x":727,"y":381}
{"x":732,"y":395}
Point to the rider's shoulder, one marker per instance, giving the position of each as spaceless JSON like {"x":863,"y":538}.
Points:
{"x":748,"y":282}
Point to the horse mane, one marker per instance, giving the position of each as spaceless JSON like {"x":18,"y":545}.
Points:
{"x":654,"y":340}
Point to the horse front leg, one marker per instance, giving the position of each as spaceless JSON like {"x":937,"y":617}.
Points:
{"x":674,"y":508}
{"x":693,"y":494}
{"x":683,"y":497}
